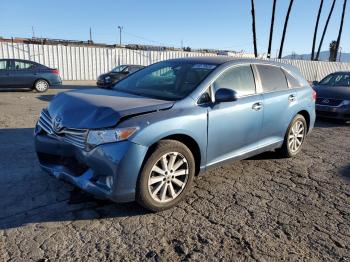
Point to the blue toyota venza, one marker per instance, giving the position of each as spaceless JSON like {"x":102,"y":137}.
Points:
{"x":147,"y":137}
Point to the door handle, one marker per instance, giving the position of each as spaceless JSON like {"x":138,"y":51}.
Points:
{"x":257,"y":106}
{"x":292,"y":98}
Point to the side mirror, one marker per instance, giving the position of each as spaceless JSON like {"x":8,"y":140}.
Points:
{"x":125,"y":71}
{"x":314,"y":83}
{"x":225,"y":95}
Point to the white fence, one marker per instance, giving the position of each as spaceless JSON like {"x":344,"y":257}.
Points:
{"x":316,"y":70}
{"x":86,"y":63}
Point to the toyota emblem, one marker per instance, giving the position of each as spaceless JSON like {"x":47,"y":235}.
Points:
{"x":57,"y":124}
{"x":326,"y":101}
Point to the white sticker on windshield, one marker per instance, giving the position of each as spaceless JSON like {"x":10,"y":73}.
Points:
{"x":203,"y":66}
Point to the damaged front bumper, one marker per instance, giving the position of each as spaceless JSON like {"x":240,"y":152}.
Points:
{"x":108,"y":171}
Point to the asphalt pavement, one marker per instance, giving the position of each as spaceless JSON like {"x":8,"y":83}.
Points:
{"x":266,"y":208}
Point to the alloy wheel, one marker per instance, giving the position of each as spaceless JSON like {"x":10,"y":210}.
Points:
{"x":168,"y":177}
{"x":296,"y":136}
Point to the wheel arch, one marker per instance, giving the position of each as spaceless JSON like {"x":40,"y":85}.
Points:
{"x":188,"y":141}
{"x":306,"y":115}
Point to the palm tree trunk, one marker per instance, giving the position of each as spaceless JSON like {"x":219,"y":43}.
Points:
{"x":254,"y":31}
{"x":325,"y":30}
{"x":285,"y":28}
{"x":271,"y":28}
{"x":315,"y":32}
{"x":340,"y":30}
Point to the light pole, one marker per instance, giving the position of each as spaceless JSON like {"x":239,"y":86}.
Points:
{"x":340,"y":49}
{"x":120,"y":34}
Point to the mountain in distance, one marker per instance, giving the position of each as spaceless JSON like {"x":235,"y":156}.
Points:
{"x":324,"y":56}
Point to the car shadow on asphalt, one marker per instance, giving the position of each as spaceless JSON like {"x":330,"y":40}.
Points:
{"x":345,"y":172}
{"x":15,"y":90}
{"x":70,"y":210}
{"x":29,"y":195}
{"x":269,"y":155}
{"x":46,"y":98}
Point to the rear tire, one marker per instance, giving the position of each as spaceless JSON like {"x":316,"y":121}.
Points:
{"x":41,"y":85}
{"x":166,"y":176}
{"x":294,"y":137}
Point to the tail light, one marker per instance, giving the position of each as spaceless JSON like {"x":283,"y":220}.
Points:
{"x":314,"y":95}
{"x":55,"y":71}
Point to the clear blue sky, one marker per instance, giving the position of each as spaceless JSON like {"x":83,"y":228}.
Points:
{"x":221,"y":24}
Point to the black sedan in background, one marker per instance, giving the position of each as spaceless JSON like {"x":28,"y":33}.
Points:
{"x":116,"y":74}
{"x":17,"y":73}
{"x":333,"y":96}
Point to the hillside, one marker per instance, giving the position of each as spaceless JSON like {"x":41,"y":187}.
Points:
{"x":324,"y":55}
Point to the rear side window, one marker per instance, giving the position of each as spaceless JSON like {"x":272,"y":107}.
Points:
{"x":272,"y":78}
{"x":239,"y":79}
{"x":133,"y":69}
{"x":292,"y":81}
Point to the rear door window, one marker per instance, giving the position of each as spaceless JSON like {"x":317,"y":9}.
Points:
{"x":19,"y":65}
{"x":3,"y":65}
{"x":239,"y":79}
{"x":272,"y":78}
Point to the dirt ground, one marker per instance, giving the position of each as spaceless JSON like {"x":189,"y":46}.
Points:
{"x":264,"y":208}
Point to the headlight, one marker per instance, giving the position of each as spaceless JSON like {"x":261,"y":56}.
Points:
{"x":346,"y":102}
{"x":98,"y":137}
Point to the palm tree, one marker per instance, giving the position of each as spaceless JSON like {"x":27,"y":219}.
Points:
{"x":254,"y":31}
{"x":340,"y":30}
{"x":316,"y":28}
{"x":332,"y":51}
{"x":271,"y":28}
{"x":325,"y":30}
{"x":285,"y":28}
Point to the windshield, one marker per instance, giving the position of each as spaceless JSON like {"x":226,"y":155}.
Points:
{"x":336,"y":80}
{"x":118,"y":69}
{"x":168,"y":80}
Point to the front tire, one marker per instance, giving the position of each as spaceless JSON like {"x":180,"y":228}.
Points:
{"x":166,"y":176}
{"x":41,"y":85}
{"x":294,"y":137}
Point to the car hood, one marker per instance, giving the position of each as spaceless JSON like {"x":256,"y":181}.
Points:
{"x":337,"y":92}
{"x":100,"y":108}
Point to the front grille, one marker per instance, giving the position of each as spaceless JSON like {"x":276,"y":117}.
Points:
{"x":45,"y":122}
{"x":72,"y":136}
{"x":328,"y":101}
